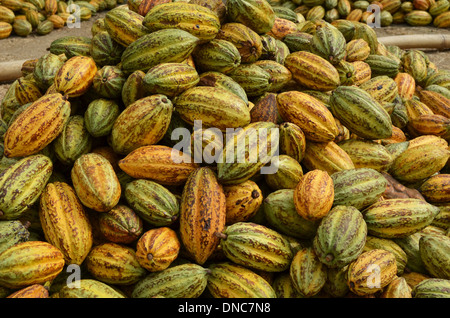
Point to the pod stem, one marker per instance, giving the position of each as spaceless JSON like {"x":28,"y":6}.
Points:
{"x":221,"y":235}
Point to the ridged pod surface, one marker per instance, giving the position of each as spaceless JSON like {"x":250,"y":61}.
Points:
{"x":312,"y":71}
{"x":163,"y":164}
{"x":46,"y":68}
{"x":280,"y":213}
{"x":437,"y":102}
{"x":256,"y":246}
{"x":360,"y":113}
{"x":254,"y":79}
{"x":308,"y":274}
{"x":37,"y":126}
{"x":22,"y":184}
{"x":104,"y":50}
{"x":292,"y":141}
{"x":228,"y":280}
{"x":367,"y":154}
{"x":124,"y":26}
{"x":314,"y":195}
{"x":397,"y":288}
{"x":142,"y":123}
{"x":215,"y":107}
{"x":64,"y":222}
{"x":28,"y":263}
{"x":373,"y":242}
{"x":89,"y":288}
{"x":217,"y":79}
{"x":73,"y":141}
{"x":418,"y":163}
{"x":95,"y":182}
{"x":100,"y":116}
{"x":154,"y":203}
{"x":115,"y":264}
{"x":436,"y":188}
{"x":181,"y":281}
{"x":75,"y":76}
{"x":162,"y":46}
{"x":71,"y":45}
{"x":357,"y":50}
{"x":133,"y":88}
{"x":27,"y":90}
{"x":258,"y":15}
{"x":328,"y":42}
{"x":309,"y":114}
{"x":12,"y":232}
{"x":248,"y":152}
{"x":397,"y":218}
{"x":435,"y":252}
{"x":287,"y":176}
{"x":120,"y":225}
{"x":327,"y":156}
{"x":157,"y":248}
{"x":198,"y":20}
{"x":247,"y":41}
{"x":406,"y":85}
{"x":216,"y":56}
{"x":358,"y":187}
{"x":202,"y":214}
{"x":340,"y":237}
{"x":382,"y":88}
{"x":170,"y":79}
{"x":360,"y":280}
{"x":432,"y":288}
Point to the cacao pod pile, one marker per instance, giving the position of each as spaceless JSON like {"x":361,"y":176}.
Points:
{"x":381,"y":13}
{"x":197,"y":149}
{"x":40,"y":17}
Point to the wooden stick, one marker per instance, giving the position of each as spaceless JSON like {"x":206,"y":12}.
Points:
{"x":10,"y":71}
{"x":418,"y":41}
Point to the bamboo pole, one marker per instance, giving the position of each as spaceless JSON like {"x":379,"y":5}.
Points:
{"x":10,"y":71}
{"x":418,"y":41}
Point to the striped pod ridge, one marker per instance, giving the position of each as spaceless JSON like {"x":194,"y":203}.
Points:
{"x":37,"y":126}
{"x":22,"y":184}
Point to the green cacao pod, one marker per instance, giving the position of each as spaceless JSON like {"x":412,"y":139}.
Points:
{"x":256,"y":246}
{"x":73,"y":141}
{"x":432,"y":288}
{"x":198,"y":20}
{"x":359,"y":187}
{"x":360,"y":113}
{"x":23,"y":183}
{"x":154,"y":203}
{"x":142,"y":123}
{"x":141,"y":54}
{"x":170,"y":79}
{"x":181,"y":281}
{"x":434,"y":251}
{"x":340,"y":237}
{"x":280,"y":213}
{"x":308,"y":274}
{"x":256,"y":14}
{"x":387,"y":219}
{"x":228,"y":280}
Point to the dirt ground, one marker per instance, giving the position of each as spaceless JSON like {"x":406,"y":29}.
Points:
{"x":16,"y":48}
